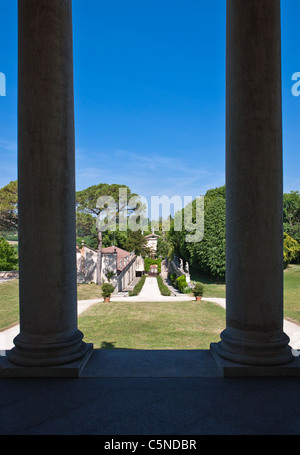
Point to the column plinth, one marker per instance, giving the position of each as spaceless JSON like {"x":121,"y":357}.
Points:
{"x":254,"y":348}
{"x":47,"y":352}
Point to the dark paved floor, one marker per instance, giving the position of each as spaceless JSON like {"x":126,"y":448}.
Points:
{"x":186,"y":395}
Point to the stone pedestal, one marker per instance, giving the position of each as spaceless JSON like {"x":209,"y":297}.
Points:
{"x":48,"y":336}
{"x":254,"y":234}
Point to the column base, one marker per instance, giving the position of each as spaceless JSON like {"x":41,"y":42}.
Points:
{"x":67,"y":370}
{"x":36,"y":351}
{"x":232,"y":369}
{"x":255,"y":348}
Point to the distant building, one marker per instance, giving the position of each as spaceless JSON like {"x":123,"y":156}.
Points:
{"x":140,"y":266}
{"x":118,"y":266}
{"x":153,"y":270}
{"x":152,"y":242}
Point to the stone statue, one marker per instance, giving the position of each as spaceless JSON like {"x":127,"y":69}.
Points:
{"x":181,"y":264}
{"x":187,"y":268}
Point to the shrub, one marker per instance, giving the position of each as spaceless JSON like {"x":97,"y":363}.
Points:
{"x":138,"y":287}
{"x":198,"y":289}
{"x":181,"y":283}
{"x":109,"y":274}
{"x":8,"y":256}
{"x":164,"y":290}
{"x":187,"y":290}
{"x":291,"y":250}
{"x":107,"y":289}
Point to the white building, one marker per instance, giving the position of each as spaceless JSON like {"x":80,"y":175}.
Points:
{"x":118,"y":266}
{"x":152,"y":242}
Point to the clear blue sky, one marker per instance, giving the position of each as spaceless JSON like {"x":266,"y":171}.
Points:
{"x":150,"y":94}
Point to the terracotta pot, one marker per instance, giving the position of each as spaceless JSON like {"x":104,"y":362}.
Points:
{"x":198,"y":297}
{"x":106,"y":299}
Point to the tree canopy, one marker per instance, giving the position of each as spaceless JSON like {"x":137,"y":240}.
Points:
{"x":9,"y":207}
{"x":137,"y":242}
{"x":291,"y":214}
{"x":103,"y":210}
{"x":209,"y":254}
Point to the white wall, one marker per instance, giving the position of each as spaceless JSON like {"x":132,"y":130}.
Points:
{"x":87,"y":268}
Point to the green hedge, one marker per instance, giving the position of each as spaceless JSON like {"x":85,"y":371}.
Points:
{"x":164,"y":290}
{"x":181,"y":283}
{"x":138,"y":287}
{"x":150,"y":261}
{"x":8,"y":256}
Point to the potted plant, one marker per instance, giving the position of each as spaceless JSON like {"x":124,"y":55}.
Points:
{"x":107,"y":290}
{"x":198,"y":291}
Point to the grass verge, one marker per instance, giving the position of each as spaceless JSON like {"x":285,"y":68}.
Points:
{"x":138,"y":287}
{"x":164,"y":290}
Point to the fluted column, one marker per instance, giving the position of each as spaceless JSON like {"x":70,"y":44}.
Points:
{"x":46,"y":186}
{"x":254,"y":233}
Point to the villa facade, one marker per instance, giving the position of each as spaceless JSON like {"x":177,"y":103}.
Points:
{"x":118,"y":266}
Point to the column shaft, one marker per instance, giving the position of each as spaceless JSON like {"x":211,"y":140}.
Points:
{"x":46,"y":187}
{"x":254,"y":233}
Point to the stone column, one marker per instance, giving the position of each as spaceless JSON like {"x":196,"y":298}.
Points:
{"x":254,"y":234}
{"x":46,"y":186}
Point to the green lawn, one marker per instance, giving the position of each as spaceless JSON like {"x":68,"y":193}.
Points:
{"x":88,"y":291}
{"x":9,"y":304}
{"x":9,"y":300}
{"x":172,"y":325}
{"x":212,"y":286}
{"x":292,"y":293}
{"x":155,"y":325}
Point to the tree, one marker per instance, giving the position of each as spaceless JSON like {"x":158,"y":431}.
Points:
{"x":164,"y":247}
{"x":178,"y":242}
{"x":208,"y":254}
{"x":108,"y":208}
{"x":8,"y":256}
{"x":291,"y":250}
{"x":85,"y":224}
{"x":291,"y":214}
{"x":137,"y":242}
{"x":9,"y":207}
{"x":115,"y":237}
{"x":86,"y":231}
